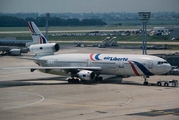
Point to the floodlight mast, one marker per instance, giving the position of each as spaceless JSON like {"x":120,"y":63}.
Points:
{"x":46,"y":24}
{"x":144,"y":17}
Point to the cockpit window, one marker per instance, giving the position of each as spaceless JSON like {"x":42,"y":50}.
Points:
{"x":161,"y":62}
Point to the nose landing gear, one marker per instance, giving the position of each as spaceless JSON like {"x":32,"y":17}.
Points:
{"x":145,"y":80}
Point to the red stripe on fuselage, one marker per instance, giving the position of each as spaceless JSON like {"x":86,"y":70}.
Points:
{"x":133,"y":68}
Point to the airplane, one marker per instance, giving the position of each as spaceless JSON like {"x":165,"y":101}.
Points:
{"x":13,"y":47}
{"x":16,"y":47}
{"x":90,"y":67}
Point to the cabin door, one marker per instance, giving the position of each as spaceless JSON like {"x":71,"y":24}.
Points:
{"x":88,"y":63}
{"x":51,"y":62}
{"x":150,"y":64}
{"x":120,"y":67}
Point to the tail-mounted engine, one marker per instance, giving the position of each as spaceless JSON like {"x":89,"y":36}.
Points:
{"x":44,"y":49}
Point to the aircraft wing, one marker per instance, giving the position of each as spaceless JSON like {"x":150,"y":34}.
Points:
{"x":51,"y":68}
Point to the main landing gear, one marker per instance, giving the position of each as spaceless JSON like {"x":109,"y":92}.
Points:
{"x":145,"y":80}
{"x":73,"y":80}
{"x":98,"y":79}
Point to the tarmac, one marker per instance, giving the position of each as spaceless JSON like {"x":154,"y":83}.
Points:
{"x":35,"y":96}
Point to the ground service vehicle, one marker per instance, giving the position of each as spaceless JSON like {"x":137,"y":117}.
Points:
{"x":168,"y":83}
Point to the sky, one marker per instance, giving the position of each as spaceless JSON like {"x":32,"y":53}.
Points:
{"x":87,"y":6}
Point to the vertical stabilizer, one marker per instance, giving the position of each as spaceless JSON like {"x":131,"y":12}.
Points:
{"x":37,"y":36}
{"x":40,"y":45}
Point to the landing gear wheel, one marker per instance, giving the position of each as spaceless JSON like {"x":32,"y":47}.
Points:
{"x":145,"y":83}
{"x":73,"y":80}
{"x":70,"y":81}
{"x":145,"y":80}
{"x":76,"y":81}
{"x":99,"y":79}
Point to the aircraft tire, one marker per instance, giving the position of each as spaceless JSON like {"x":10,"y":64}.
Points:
{"x":76,"y":81}
{"x":146,"y":83}
{"x":99,"y":79}
{"x":71,"y":80}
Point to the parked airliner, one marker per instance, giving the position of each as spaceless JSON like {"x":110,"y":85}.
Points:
{"x":13,"y":47}
{"x":89,"y":67}
{"x":16,"y":47}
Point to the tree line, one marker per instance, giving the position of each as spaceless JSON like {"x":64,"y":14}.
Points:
{"x":9,"y":21}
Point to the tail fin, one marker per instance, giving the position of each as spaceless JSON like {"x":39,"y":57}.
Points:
{"x":37,"y":36}
{"x":41,"y":47}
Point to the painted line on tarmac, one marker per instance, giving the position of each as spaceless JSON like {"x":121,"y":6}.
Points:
{"x":26,"y":105}
{"x":12,"y":74}
{"x":130,"y":99}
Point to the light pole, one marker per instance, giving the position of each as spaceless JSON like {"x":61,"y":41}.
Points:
{"x":144,"y":17}
{"x":46,"y":24}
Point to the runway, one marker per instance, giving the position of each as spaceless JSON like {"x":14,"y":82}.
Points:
{"x":33,"y":96}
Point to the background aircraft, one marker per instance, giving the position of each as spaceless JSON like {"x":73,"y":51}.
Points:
{"x":16,"y":47}
{"x":13,"y":47}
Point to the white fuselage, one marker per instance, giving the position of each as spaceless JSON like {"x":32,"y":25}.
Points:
{"x":112,"y":64}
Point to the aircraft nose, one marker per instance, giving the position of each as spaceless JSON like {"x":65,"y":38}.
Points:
{"x":168,"y":67}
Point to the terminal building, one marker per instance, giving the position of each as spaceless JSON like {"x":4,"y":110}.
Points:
{"x":160,"y":30}
{"x":172,"y":31}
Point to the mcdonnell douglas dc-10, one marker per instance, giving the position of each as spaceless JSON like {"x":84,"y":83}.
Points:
{"x":89,"y":67}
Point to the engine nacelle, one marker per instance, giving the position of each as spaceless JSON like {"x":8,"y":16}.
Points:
{"x":15,"y":52}
{"x":86,"y":75}
{"x":48,"y":48}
